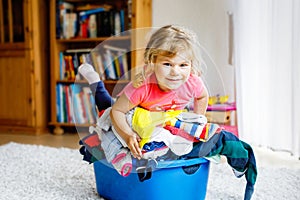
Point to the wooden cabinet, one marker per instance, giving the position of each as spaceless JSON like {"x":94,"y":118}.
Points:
{"x":24,"y":66}
{"x":136,"y":14}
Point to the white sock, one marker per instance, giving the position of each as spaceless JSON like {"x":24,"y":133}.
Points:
{"x":88,"y":72}
{"x":181,"y":146}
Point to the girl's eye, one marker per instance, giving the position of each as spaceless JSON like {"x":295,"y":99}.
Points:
{"x":184,"y":65}
{"x":167,"y":64}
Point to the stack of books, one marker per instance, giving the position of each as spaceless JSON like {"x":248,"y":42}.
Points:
{"x":111,"y":63}
{"x":88,"y":22}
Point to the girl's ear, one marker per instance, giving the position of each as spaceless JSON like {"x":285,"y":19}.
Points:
{"x":140,"y":77}
{"x":148,"y":69}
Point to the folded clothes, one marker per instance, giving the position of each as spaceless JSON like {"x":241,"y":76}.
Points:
{"x":208,"y":130}
{"x":92,"y":150}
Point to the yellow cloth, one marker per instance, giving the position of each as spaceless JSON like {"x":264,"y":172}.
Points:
{"x":144,"y":122}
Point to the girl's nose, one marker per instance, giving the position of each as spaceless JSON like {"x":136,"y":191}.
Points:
{"x":174,"y":70}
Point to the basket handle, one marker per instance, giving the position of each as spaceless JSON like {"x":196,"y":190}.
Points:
{"x":191,"y":169}
{"x":145,"y":172}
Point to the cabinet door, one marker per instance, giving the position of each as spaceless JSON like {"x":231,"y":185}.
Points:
{"x":15,"y":86}
{"x":16,"y":100}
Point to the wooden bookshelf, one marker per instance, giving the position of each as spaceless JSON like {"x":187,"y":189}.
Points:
{"x":137,"y":14}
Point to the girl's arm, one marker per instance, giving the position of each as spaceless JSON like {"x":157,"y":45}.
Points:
{"x":200,"y":103}
{"x":118,"y":117}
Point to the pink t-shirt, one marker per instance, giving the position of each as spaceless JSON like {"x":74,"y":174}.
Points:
{"x":151,"y":97}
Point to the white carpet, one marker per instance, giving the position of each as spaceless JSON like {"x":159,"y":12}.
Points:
{"x":37,"y":172}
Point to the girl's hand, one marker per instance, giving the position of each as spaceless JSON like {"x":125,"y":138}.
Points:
{"x":118,"y":118}
{"x":133,"y":145}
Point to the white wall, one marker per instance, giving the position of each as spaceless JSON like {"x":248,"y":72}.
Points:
{"x":268,"y":97}
{"x":209,"y":19}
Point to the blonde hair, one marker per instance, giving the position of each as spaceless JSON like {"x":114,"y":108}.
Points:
{"x":169,"y":40}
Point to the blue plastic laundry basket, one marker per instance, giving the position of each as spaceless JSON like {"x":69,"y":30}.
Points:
{"x":176,"y":180}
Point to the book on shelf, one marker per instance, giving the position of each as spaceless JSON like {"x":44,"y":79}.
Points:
{"x":86,"y":13}
{"x":87,"y":50}
{"x":122,"y":20}
{"x":98,"y":63}
{"x":79,"y":112}
{"x":70,"y":68}
{"x":74,"y":21}
{"x":124,"y":66}
{"x":59,"y":101}
{"x":68,"y":104}
{"x":61,"y":108}
{"x":116,"y":62}
{"x":110,"y":71}
{"x":110,"y":63}
{"x":62,"y":66}
{"x":69,"y":62}
{"x":87,"y":104}
{"x":75,"y":104}
{"x":88,"y":22}
{"x":62,"y":10}
{"x":69,"y":25}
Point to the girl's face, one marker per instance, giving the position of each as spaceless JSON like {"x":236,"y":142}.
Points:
{"x":172,"y":72}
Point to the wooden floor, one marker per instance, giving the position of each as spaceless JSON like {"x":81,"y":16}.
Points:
{"x":69,"y":140}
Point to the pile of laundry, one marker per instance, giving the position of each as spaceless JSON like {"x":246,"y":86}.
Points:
{"x":168,"y":136}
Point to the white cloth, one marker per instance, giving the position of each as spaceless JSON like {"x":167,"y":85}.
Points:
{"x":178,"y":145}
